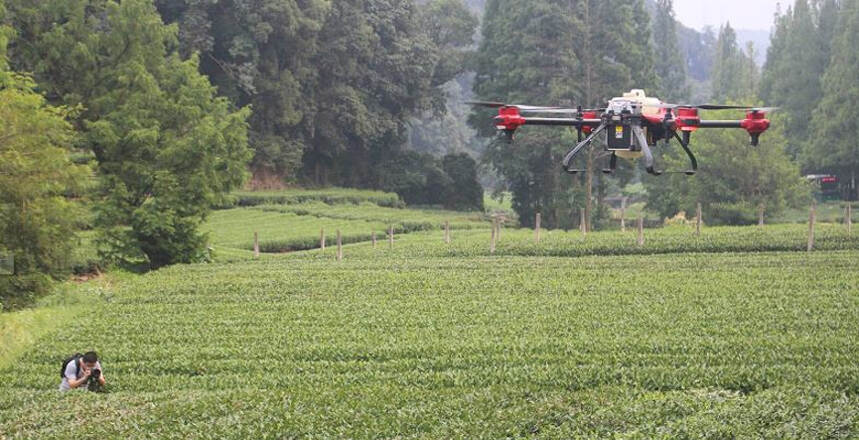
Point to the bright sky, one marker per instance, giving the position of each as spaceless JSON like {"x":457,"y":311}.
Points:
{"x":743,"y":14}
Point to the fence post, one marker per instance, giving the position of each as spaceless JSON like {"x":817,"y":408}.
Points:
{"x":322,"y":239}
{"x":256,"y":245}
{"x":623,"y":214}
{"x":447,"y":231}
{"x":373,"y":237}
{"x":849,"y":219}
{"x":583,"y":225}
{"x":698,"y":220}
{"x":761,"y":215}
{"x":391,"y":237}
{"x":339,"y":246}
{"x":812,"y":217}
{"x":537,"y":228}
{"x":493,"y":236}
{"x":640,"y":230}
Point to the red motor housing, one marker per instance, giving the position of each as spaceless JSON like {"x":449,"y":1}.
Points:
{"x":589,"y":115}
{"x":687,"y":119}
{"x":509,"y":119}
{"x":756,"y":122}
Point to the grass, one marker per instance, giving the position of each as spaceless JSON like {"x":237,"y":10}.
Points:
{"x":19,"y":330}
{"x":667,"y":346}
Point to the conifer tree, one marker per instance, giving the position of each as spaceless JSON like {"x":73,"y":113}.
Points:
{"x":792,"y":77}
{"x":834,"y":147}
{"x":669,"y":63}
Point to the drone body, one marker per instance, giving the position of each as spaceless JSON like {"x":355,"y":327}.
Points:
{"x":632,"y":123}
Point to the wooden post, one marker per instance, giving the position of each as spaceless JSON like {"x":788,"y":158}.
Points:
{"x":493,"y":237}
{"x":339,"y":246}
{"x":849,"y":219}
{"x":447,"y":232}
{"x":373,"y":236}
{"x":761,"y":215}
{"x":498,"y":223}
{"x":698,"y":220}
{"x":537,"y":228}
{"x":583,"y":224}
{"x":640,"y":230}
{"x":391,"y":237}
{"x":256,"y":245}
{"x":812,"y":216}
{"x":623,"y":214}
{"x":322,"y":239}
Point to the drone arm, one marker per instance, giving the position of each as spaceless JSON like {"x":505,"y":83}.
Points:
{"x":720,"y":124}
{"x":564,"y":122}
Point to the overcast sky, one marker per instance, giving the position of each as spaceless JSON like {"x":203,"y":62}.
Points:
{"x":743,"y":14}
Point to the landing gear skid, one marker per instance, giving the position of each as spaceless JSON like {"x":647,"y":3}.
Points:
{"x":565,"y":164}
{"x":641,"y":141}
{"x":612,"y":164}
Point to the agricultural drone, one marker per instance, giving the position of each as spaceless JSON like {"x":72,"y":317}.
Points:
{"x":633,"y":124}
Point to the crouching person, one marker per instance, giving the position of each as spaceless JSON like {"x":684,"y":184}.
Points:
{"x":82,"y":370}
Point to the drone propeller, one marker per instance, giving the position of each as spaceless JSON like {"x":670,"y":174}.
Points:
{"x":489,"y":104}
{"x":715,"y":107}
{"x":563,"y":111}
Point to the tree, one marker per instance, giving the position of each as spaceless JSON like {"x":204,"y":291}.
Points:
{"x":834,"y":148}
{"x":734,"y":180}
{"x":670,"y":64}
{"x":734,"y":71}
{"x":332,"y":84}
{"x":795,"y":66}
{"x":37,"y":219}
{"x":167,"y":147}
{"x":464,"y":192}
{"x":259,"y":53}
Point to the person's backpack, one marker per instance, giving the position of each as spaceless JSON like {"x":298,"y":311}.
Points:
{"x":76,"y":359}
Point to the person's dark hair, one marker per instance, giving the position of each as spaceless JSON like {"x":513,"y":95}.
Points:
{"x":90,"y":357}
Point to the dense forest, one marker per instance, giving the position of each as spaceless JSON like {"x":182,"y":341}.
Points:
{"x":149,"y":112}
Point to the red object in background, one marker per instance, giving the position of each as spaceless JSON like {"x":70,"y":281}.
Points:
{"x":828,"y":180}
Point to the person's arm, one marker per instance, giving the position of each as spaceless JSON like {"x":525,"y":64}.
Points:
{"x":74,"y":383}
{"x":101,"y":379}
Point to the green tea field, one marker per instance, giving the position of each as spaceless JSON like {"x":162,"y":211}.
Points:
{"x":736,"y":333}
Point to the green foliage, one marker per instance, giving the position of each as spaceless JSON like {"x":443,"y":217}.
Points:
{"x":834,"y":148}
{"x":675,"y":346}
{"x":421,"y":179}
{"x":670,"y":64}
{"x":167,"y":147}
{"x":464,"y":192}
{"x":793,"y":75}
{"x":333,"y":84}
{"x":735,"y":74}
{"x":331,"y":196}
{"x":37,"y":220}
{"x":734,"y":180}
